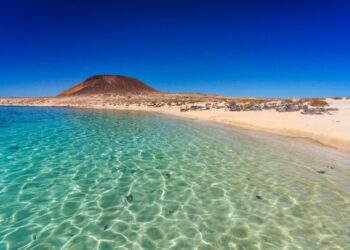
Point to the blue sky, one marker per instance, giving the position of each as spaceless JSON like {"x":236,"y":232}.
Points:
{"x":239,"y":48}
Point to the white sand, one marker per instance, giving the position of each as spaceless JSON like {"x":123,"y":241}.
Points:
{"x":329,"y":129}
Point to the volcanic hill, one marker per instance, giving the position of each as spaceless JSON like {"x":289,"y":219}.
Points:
{"x":109,"y":84}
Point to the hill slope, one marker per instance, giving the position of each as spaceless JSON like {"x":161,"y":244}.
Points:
{"x":109,"y":84}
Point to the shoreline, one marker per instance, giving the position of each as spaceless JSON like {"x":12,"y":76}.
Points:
{"x":311,"y":138}
{"x":342,"y":146}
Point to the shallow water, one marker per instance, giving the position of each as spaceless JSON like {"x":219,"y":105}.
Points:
{"x":79,"y":179}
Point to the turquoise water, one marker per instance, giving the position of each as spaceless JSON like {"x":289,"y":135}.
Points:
{"x":75,"y":179}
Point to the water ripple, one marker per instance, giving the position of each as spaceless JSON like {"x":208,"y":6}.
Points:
{"x":72,"y":179}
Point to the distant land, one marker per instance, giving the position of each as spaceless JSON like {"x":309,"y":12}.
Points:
{"x":109,"y":84}
{"x":326,"y":120}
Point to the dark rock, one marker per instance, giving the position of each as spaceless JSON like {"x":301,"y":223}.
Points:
{"x":218,"y":107}
{"x":259,"y":197}
{"x":130,"y":198}
{"x":170,"y":212}
{"x":288,"y":108}
{"x":13,"y":148}
{"x":332,"y":109}
{"x":271,"y":105}
{"x":184,"y":109}
{"x":321,"y":171}
{"x":198,"y":108}
{"x":313,"y":111}
{"x":235,"y":108}
{"x":252,"y":108}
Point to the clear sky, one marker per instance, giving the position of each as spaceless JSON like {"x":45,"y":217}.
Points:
{"x":240,"y":48}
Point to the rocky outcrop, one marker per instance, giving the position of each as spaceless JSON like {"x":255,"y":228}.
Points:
{"x":281,"y":106}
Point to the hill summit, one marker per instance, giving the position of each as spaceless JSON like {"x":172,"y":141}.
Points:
{"x":109,"y":84}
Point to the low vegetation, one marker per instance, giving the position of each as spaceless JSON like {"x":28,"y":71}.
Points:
{"x":318,"y":102}
{"x":289,"y":100}
{"x":251,"y":102}
{"x":231,"y":103}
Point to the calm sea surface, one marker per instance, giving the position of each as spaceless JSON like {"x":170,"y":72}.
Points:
{"x":81,"y":179}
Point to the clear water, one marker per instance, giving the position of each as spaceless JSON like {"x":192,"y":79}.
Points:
{"x":74,"y":179}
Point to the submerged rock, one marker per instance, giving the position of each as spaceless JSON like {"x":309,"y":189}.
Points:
{"x":259,"y":197}
{"x":134,"y":171}
{"x":130,"y":198}
{"x":170,"y":212}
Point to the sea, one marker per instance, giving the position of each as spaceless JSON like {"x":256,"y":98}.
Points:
{"x":94,"y":179}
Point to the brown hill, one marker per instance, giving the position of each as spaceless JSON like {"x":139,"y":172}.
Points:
{"x":109,"y":84}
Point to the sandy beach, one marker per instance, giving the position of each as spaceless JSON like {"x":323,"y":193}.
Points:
{"x":330,"y":129}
